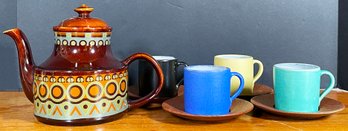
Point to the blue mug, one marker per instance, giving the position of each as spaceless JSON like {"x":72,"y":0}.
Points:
{"x":207,"y":89}
{"x":297,"y":87}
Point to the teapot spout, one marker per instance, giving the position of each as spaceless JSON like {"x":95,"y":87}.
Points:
{"x":26,"y":62}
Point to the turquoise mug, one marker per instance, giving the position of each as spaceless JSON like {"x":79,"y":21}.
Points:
{"x":297,"y":87}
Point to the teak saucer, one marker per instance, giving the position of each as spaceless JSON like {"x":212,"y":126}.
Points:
{"x":154,"y":100}
{"x":175,"y":106}
{"x":327,"y":107}
{"x":260,"y":89}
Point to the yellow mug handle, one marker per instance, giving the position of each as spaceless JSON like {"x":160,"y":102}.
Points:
{"x":259,"y":73}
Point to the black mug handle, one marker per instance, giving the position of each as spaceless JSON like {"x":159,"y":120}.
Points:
{"x":182,"y":79}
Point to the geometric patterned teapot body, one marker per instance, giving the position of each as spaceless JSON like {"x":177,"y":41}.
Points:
{"x":81,"y":82}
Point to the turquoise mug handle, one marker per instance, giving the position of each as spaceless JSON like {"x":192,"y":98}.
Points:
{"x":331,"y":85}
{"x":240,"y":88}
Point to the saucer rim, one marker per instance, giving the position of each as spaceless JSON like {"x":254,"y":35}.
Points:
{"x":136,"y":96}
{"x":312,"y":115}
{"x":263,"y":93}
{"x":229,"y":116}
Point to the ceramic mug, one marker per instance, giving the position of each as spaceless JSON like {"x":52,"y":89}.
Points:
{"x":297,"y":87}
{"x":148,"y":79}
{"x":207,"y":89}
{"x":244,"y":65}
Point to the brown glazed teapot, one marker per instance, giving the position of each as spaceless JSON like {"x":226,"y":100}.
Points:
{"x":81,"y":82}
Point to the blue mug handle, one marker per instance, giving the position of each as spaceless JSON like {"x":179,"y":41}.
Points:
{"x":240,"y":88}
{"x":331,"y":85}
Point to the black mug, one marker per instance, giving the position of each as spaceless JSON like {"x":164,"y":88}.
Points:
{"x":172,"y":77}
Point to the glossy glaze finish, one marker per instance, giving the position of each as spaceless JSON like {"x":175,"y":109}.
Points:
{"x":83,"y":22}
{"x":80,"y":122}
{"x":67,"y":96}
{"x":148,"y":78}
{"x":84,"y":58}
{"x":82,"y":43}
{"x":142,"y":101}
{"x":25,"y":61}
{"x":81,"y":82}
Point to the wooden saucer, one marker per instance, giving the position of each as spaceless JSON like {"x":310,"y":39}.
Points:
{"x":154,"y":100}
{"x":260,"y":89}
{"x":327,"y":107}
{"x":175,"y":106}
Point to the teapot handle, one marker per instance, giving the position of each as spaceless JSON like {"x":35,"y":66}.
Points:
{"x":144,"y":100}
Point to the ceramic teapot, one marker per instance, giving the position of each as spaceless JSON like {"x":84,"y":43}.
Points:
{"x":81,"y":82}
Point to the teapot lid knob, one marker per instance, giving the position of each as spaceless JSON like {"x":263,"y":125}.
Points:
{"x":84,"y":10}
{"x":83,"y":23}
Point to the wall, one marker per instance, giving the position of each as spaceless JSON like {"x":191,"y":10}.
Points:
{"x":272,"y":31}
{"x":342,"y":70}
{"x":9,"y":79}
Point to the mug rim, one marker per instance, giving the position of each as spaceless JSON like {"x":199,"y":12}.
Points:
{"x":167,"y":58}
{"x":297,"y":67}
{"x":213,"y":68}
{"x":234,"y":56}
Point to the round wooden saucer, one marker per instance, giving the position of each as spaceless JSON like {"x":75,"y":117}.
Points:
{"x":327,"y":107}
{"x":134,"y":96}
{"x":260,"y":89}
{"x":175,"y":106}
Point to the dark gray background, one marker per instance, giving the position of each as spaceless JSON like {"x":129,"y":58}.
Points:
{"x":342,"y":69}
{"x":272,"y":31}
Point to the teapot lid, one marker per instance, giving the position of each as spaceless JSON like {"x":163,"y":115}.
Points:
{"x":83,"y":22}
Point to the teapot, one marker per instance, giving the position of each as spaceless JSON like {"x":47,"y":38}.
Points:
{"x":81,"y":82}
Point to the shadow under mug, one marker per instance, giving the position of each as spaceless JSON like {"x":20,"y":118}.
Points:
{"x":207,"y":89}
{"x":297,"y":87}
{"x":172,"y":79}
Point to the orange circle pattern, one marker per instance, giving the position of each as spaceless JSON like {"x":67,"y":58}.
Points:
{"x":75,"y":92}
{"x":73,"y":86}
{"x":94,"y":91}
{"x":111,"y":89}
{"x":43,"y":90}
{"x":123,"y":86}
{"x":57,"y":92}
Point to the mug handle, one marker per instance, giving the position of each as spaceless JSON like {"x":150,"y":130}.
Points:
{"x":331,"y":85}
{"x":182,"y":79}
{"x":144,"y":100}
{"x":240,"y":88}
{"x":259,"y":73}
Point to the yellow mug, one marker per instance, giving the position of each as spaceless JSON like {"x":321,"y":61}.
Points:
{"x":244,"y":65}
